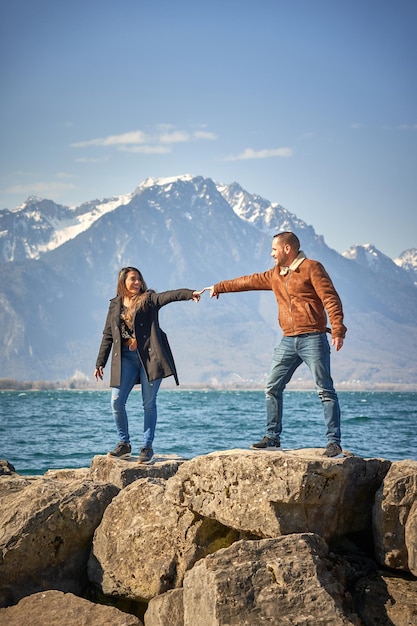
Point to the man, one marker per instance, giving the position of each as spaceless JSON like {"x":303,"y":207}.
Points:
{"x":304,"y":293}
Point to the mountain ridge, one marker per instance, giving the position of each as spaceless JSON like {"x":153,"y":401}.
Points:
{"x":189,"y":231}
{"x":261,"y":211}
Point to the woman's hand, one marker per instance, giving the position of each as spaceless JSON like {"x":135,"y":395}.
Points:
{"x":213,"y":294}
{"x":98,"y":373}
{"x":197,"y":295}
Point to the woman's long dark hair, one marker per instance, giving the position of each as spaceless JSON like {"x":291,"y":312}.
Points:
{"x":138,"y":301}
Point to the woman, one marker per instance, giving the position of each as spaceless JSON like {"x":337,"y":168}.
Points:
{"x":140,"y":353}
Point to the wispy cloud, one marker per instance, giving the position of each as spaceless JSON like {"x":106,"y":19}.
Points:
{"x":175,"y":136}
{"x":156,"y":142}
{"x":204,"y":134}
{"x":147,"y":149}
{"x":266,"y":153}
{"x":92,"y":159}
{"x":41,"y":188}
{"x":407,"y":127}
{"x":133,"y":137}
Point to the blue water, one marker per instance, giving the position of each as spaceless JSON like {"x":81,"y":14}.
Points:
{"x":41,"y":430}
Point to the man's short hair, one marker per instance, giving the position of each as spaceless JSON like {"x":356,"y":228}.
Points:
{"x":287,"y":237}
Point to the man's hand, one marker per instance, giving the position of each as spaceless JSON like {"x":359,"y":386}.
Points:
{"x":213,"y":294}
{"x":337,"y":342}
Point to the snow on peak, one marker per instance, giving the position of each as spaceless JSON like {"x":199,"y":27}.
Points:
{"x":408,"y":262}
{"x":161,"y":182}
{"x":30,"y":200}
{"x":365,"y":251}
{"x":83,"y":222}
{"x":70,"y":228}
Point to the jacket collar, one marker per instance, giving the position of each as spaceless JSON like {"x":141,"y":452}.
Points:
{"x":294,"y":265}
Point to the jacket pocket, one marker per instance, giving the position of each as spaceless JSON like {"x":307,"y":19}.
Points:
{"x":313,"y":315}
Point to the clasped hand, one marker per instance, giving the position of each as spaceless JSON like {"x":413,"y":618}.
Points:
{"x":197,"y":294}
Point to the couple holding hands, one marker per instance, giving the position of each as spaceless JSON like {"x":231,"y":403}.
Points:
{"x":140,"y":352}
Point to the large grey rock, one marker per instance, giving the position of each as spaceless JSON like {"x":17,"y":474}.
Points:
{"x":123,"y":472}
{"x":120,"y":472}
{"x":6,"y":468}
{"x":170,"y":523}
{"x":73,"y":473}
{"x":166,"y":609}
{"x":145,"y":543}
{"x":395,"y":518}
{"x":411,"y":538}
{"x":402,"y":605}
{"x":367,"y":597}
{"x":46,"y":530}
{"x":55,"y":608}
{"x":386,"y":601}
{"x":276,"y":493}
{"x":280,"y":581}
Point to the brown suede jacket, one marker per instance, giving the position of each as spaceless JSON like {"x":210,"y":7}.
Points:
{"x":303,"y":295}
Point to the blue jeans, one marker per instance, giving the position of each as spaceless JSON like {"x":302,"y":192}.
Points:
{"x":314,"y":350}
{"x":132,"y":369}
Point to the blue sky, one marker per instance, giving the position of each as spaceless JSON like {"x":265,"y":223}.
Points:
{"x":308,"y":103}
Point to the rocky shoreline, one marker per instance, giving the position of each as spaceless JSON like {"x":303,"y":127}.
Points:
{"x":230,"y":538}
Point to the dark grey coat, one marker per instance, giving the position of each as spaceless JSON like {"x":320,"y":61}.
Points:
{"x":153,"y":346}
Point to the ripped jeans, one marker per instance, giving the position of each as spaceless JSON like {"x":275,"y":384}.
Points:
{"x":132,"y":370}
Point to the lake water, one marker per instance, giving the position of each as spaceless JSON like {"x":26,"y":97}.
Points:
{"x":41,"y":430}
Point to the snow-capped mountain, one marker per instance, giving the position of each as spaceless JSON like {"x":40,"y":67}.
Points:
{"x":408,"y":261}
{"x":59,"y":268}
{"x":266,"y":216}
{"x":370,"y":257}
{"x":39,"y":225}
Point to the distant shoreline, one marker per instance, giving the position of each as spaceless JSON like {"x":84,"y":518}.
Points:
{"x":15,"y":385}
